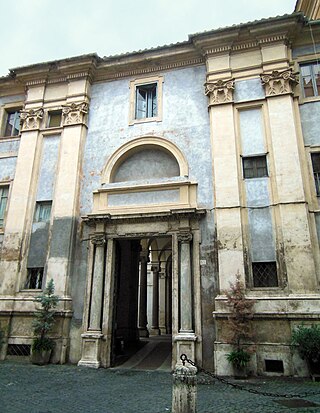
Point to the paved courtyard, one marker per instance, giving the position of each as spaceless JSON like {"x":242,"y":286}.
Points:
{"x":25,"y":388}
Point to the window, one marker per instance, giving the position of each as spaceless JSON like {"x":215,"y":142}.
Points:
{"x":54,"y":119}
{"x":43,"y":211}
{"x":264,"y":274}
{"x":255,"y":167}
{"x":34,"y":278}
{"x":310,"y":79}
{"x":146,"y":100}
{"x":4,"y":190}
{"x":12,"y":126}
{"x":315,"y":159}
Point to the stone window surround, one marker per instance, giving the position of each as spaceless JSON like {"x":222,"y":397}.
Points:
{"x":140,"y":82}
{"x":4,"y":110}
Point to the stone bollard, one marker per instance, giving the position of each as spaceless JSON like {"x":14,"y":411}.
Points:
{"x":184,"y":391}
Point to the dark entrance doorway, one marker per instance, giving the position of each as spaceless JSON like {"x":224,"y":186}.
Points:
{"x":142,"y":304}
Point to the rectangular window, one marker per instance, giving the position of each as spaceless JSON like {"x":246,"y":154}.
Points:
{"x":264,"y":274}
{"x":254,"y":166}
{"x":315,"y":159}
{"x":146,"y":101}
{"x":12,"y":126}
{"x":310,"y":79}
{"x":43,"y":211}
{"x":4,"y":190}
{"x":34,"y":278}
{"x":54,"y":119}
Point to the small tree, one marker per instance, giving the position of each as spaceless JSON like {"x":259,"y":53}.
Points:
{"x":241,"y":314}
{"x":44,"y":319}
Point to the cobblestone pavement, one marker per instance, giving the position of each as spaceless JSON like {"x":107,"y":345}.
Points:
{"x":25,"y":388}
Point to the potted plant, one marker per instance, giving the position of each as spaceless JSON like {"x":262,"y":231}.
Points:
{"x":307,"y":339}
{"x":241,"y":314}
{"x":42,"y":345}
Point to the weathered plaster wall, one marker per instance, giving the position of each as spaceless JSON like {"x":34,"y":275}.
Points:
{"x":7,"y":168}
{"x":310,"y":115}
{"x":246,"y":90}
{"x":305,"y":50}
{"x":147,"y":164}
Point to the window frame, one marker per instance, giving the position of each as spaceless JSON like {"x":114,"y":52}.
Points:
{"x":4,"y":185}
{"x":29,"y":276}
{"x":253,"y":263}
{"x":140,"y":83}
{"x":49,"y":114}
{"x":255,"y":168}
{"x":37,"y":211}
{"x":316,"y":92}
{"x":315,"y":174}
{"x":4,"y":113}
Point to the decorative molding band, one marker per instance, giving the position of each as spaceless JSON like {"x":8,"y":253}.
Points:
{"x":75,"y":113}
{"x":98,"y":240}
{"x":219,"y":92}
{"x":272,"y":39}
{"x":57,"y":80}
{"x":218,"y":49}
{"x":279,"y":83}
{"x":152,"y":69}
{"x":36,"y":82}
{"x":31,"y":118}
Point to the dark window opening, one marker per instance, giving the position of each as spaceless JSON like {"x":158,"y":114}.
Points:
{"x":34,"y":278}
{"x":12,"y":127}
{"x":315,"y":159}
{"x":274,"y":366}
{"x":310,"y":79}
{"x":18,"y":350}
{"x":264,"y":274}
{"x":43,"y":211}
{"x":54,"y":120}
{"x":146,"y":101}
{"x":255,"y":167}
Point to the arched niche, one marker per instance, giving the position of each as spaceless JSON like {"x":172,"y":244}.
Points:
{"x":143,"y":159}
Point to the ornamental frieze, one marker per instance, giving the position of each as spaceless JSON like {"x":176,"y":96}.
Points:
{"x":220,"y":91}
{"x":31,"y":118}
{"x":279,"y":83}
{"x":75,"y":113}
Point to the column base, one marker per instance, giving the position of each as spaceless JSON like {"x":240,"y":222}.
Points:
{"x":90,"y":350}
{"x":143,"y":332}
{"x":186,"y":343}
{"x":155,"y":331}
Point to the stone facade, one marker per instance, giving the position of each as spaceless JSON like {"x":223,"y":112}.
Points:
{"x":143,"y":184}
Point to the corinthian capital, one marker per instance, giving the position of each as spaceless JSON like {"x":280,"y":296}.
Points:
{"x":279,"y":83}
{"x":98,"y":239}
{"x":220,"y":91}
{"x":184,"y":236}
{"x":75,"y":113}
{"x":30,"y":118}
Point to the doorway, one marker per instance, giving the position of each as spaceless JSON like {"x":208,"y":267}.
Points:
{"x":142,"y":311}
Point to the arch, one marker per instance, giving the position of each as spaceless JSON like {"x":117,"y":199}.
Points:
{"x":128,"y":149}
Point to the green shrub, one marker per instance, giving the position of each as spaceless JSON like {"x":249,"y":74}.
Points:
{"x":239,"y":358}
{"x":308,"y":341}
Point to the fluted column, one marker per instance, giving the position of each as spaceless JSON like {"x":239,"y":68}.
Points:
{"x":155,"y":299}
{"x":143,"y":321}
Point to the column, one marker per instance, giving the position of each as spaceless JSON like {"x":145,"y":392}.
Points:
{"x":162,"y":303}
{"x":168,"y":300}
{"x":143,"y":331}
{"x":91,"y":338}
{"x":155,"y":299}
{"x":185,"y":339}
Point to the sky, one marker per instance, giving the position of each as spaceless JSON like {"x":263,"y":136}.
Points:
{"x":35,"y":31}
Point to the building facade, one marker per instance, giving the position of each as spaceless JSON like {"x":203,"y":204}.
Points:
{"x":143,"y":183}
